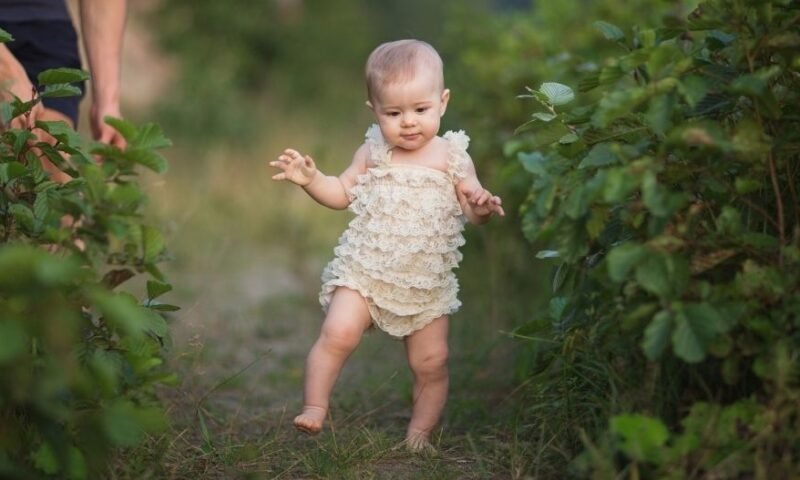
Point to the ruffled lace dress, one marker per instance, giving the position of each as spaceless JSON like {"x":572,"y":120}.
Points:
{"x":400,"y":251}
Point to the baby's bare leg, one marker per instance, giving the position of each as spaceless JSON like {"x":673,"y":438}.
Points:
{"x":427,"y":357}
{"x":347,"y":319}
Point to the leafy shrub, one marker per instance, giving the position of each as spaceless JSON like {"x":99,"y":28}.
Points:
{"x":78,"y":360}
{"x":671,"y":206}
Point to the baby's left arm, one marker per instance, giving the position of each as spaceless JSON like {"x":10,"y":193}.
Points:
{"x":477,"y":203}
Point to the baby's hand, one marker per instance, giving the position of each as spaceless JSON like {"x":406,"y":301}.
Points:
{"x":296,"y":168}
{"x":483,"y":203}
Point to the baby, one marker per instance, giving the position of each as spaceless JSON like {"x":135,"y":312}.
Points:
{"x":411,"y":191}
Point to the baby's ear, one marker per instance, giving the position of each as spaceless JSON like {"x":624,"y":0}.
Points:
{"x":369,"y":105}
{"x":445,"y":98}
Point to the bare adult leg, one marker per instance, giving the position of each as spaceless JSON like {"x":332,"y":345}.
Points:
{"x":427,"y":357}
{"x":51,"y":115}
{"x":347,"y":319}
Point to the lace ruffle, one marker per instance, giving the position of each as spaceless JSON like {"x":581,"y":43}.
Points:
{"x":457,"y":143}
{"x":378,"y":148}
{"x":397,"y":311}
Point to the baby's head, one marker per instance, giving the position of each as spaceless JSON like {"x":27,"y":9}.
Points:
{"x":400,"y":61}
{"x":405,"y":90}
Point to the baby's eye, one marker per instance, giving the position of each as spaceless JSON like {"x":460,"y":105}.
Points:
{"x":422,"y":109}
{"x":393,"y":114}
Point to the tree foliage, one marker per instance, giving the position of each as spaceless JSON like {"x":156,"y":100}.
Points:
{"x":669,"y":202}
{"x":79,"y":359}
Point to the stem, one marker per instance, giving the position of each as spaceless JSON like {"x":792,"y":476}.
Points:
{"x":795,"y":199}
{"x":779,"y":201}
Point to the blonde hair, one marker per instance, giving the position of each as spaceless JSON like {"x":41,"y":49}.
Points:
{"x":398,"y":61}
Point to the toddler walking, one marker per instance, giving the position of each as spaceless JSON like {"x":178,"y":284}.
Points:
{"x":411,"y":191}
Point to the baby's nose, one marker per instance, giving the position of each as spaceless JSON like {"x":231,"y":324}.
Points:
{"x":408,"y":120}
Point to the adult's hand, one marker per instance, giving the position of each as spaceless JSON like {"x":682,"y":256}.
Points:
{"x":14,"y":81}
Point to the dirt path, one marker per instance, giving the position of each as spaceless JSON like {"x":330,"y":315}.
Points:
{"x":239,"y":346}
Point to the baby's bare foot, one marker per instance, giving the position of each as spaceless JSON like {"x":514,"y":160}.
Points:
{"x":310,"y":421}
{"x":419,"y":442}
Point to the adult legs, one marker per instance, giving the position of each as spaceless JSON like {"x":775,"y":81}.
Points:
{"x":427,"y":357}
{"x":348,"y":317}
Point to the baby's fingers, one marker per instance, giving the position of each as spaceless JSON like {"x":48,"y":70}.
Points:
{"x":495,"y":204}
{"x":479,"y":197}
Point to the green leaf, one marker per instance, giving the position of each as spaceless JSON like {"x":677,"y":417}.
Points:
{"x":153,"y":243}
{"x":11,"y":170}
{"x":543,"y":116}
{"x":619,"y":185}
{"x":610,"y":31}
{"x":123,"y":312}
{"x":634,"y":59}
{"x":5,"y":37}
{"x":589,"y":81}
{"x":23,"y":215}
{"x":571,"y":137}
{"x":60,"y":90}
{"x":533,"y":162}
{"x":127,"y":129}
{"x":656,"y":335}
{"x":654,"y":196}
{"x":663,"y":56}
{"x":556,"y":308}
{"x":163,"y":307}
{"x":659,"y":113}
{"x":643,"y":437}
{"x":698,"y":324}
{"x":45,"y":459}
{"x":148,"y":158}
{"x":151,"y":136}
{"x":556,"y":93}
{"x":156,"y":289}
{"x":21,"y":107}
{"x":41,"y":206}
{"x":62,"y":131}
{"x":546,"y":198}
{"x":623,"y":258}
{"x":18,"y":140}
{"x":577,"y":203}
{"x":617,"y":104}
{"x":548,"y":134}
{"x":120,"y":425}
{"x":76,"y":467}
{"x":653,"y":275}
{"x":61,"y":75}
{"x":745,"y":185}
{"x":694,"y":88}
{"x":599,"y":156}
{"x":6,"y":112}
{"x":751,"y":85}
{"x":13,"y":340}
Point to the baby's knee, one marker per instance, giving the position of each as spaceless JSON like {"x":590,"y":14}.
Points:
{"x":431,"y":363}
{"x":340,"y":339}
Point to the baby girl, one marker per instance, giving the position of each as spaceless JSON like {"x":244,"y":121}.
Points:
{"x":411,"y":191}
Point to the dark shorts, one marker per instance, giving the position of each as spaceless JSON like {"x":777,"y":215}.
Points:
{"x":44,"y":44}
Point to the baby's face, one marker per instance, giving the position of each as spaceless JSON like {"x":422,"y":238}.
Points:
{"x":409,"y":112}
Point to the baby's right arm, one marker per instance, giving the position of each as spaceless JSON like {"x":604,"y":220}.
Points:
{"x":327,"y":190}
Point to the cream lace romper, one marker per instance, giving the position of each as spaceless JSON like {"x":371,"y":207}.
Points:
{"x":400,"y":250}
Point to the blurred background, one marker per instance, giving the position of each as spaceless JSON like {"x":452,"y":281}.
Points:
{"x":234,"y":83}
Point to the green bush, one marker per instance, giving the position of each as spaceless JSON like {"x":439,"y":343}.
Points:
{"x":78,"y":360}
{"x":670,"y":204}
